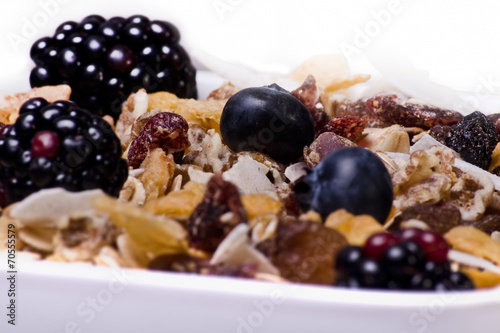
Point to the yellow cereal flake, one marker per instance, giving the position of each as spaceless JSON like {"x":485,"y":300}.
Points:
{"x":482,"y":279}
{"x":311,"y":215}
{"x":154,"y":233}
{"x":346,"y":83}
{"x":204,"y":113}
{"x":259,"y":205}
{"x":474,"y":241}
{"x":356,"y":229}
{"x":10,"y":104}
{"x":178,"y":204}
{"x":495,"y":158}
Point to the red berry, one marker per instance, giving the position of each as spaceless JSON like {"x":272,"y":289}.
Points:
{"x":45,"y":144}
{"x":376,"y":244}
{"x":433,"y":244}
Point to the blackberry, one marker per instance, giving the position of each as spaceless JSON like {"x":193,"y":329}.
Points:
{"x":58,"y":145}
{"x":413,"y":260}
{"x":105,"y":60}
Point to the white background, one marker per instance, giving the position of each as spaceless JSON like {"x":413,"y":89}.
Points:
{"x":453,"y":43}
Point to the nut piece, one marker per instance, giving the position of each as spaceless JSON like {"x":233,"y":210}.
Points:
{"x":472,"y":194}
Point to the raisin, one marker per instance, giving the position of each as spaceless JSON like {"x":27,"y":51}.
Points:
{"x":495,"y":119}
{"x":488,"y":223}
{"x":349,"y":127}
{"x":439,"y":132}
{"x":165,"y":130}
{"x":304,"y":251}
{"x":184,"y":263}
{"x":218,"y":213}
{"x":439,"y":217}
{"x":474,"y":138}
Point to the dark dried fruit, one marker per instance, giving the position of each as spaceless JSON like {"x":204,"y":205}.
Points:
{"x":184,"y":263}
{"x":361,"y":110}
{"x":474,"y":138}
{"x":495,"y":119}
{"x":439,"y":132}
{"x":440,"y":218}
{"x":219,"y":212}
{"x":307,"y":94}
{"x":165,"y":130}
{"x":488,"y":223}
{"x":304,"y":251}
{"x":397,"y":111}
{"x":323,"y":145}
{"x":349,"y":127}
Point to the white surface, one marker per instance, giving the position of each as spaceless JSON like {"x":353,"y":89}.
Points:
{"x":55,"y":297}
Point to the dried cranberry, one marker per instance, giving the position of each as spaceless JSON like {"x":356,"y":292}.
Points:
{"x":166,"y":130}
{"x":219,"y":212}
{"x":349,"y":127}
{"x":394,"y":110}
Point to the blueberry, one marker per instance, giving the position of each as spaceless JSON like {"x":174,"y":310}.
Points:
{"x":351,"y":178}
{"x":267,"y":119}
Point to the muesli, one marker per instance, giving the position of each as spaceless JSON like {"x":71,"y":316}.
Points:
{"x":303,"y":186}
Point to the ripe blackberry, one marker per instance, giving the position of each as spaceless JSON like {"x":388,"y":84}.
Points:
{"x":414,"y":260}
{"x":58,"y":145}
{"x":105,"y":60}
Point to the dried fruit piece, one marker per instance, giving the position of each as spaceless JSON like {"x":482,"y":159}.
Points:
{"x":219,"y":212}
{"x":324,"y":144}
{"x":440,"y":218}
{"x":349,"y":127}
{"x":474,"y":138}
{"x":304,"y":251}
{"x":308,"y":94}
{"x":165,"y":130}
{"x":204,"y":113}
{"x":397,"y":111}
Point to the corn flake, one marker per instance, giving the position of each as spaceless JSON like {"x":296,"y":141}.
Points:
{"x":356,"y":229}
{"x":153,"y":233}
